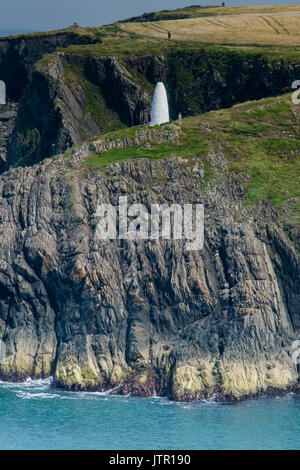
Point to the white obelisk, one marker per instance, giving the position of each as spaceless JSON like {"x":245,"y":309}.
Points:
{"x":2,"y":92}
{"x":160,"y":107}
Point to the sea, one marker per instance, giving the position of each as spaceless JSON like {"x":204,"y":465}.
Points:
{"x":36,"y":416}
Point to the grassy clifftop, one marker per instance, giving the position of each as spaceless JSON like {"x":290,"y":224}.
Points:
{"x":254,"y":27}
{"x":261,"y":142}
{"x":76,"y":32}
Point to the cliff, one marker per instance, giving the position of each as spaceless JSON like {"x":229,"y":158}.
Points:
{"x":141,"y":316}
{"x":8,"y":116}
{"x":18,"y":56}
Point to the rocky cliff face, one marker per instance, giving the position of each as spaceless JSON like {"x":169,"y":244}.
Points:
{"x":54,"y":114}
{"x":144,"y":316}
{"x":19,"y":54}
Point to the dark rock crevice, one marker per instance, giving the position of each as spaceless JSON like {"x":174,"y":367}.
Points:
{"x":18,"y":56}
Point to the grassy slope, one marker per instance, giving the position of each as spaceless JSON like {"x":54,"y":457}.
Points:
{"x":265,"y":26}
{"x":261,"y":141}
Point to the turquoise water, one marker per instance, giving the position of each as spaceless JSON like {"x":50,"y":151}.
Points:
{"x":33,"y":415}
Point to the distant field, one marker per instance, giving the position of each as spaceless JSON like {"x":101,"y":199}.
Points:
{"x":277,"y":26}
{"x":196,"y":12}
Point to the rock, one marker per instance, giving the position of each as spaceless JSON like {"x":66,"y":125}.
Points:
{"x":8,"y":115}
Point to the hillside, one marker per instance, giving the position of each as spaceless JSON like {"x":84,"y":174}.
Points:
{"x":88,"y":90}
{"x":260,"y":141}
{"x":274,"y":26}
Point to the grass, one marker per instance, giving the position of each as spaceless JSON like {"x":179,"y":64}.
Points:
{"x":275,"y":26}
{"x":106,"y":119}
{"x":260,"y":140}
{"x":120,"y":155}
{"x":188,"y":148}
{"x":271,"y":30}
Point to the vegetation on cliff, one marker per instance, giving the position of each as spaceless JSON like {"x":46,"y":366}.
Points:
{"x":260,"y":140}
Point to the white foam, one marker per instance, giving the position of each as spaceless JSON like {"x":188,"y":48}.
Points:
{"x":29,"y":383}
{"x":28,"y":395}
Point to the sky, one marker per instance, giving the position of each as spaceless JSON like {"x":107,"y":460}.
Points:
{"x":41,"y":15}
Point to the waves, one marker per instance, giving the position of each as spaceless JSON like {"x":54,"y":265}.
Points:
{"x":42,"y":389}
